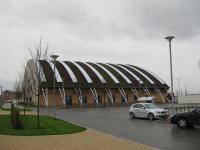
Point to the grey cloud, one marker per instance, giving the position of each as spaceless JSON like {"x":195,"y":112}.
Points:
{"x":178,"y":17}
{"x":116,"y":19}
{"x":129,"y":31}
{"x":73,"y":16}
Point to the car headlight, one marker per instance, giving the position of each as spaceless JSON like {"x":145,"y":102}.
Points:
{"x":157,"y":112}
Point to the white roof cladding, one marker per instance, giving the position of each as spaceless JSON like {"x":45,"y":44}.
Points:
{"x":71,"y":74}
{"x":57,"y":75}
{"x":87,"y":77}
{"x":136,"y":77}
{"x":123,"y":76}
{"x":152,"y":82}
{"x":157,"y":77}
{"x":108,"y":72}
{"x":98,"y":75}
{"x":101,"y":78}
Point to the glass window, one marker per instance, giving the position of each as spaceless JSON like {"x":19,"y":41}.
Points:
{"x":140,"y":106}
{"x":99,"y":99}
{"x":113,"y":96}
{"x":151,"y":106}
{"x":135,"y":106}
{"x":198,"y":110}
{"x":84,"y":99}
{"x":30,"y":99}
{"x":68,"y":100}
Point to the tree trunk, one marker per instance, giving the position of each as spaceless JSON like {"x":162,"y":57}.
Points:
{"x":38,"y":112}
{"x":24,"y":104}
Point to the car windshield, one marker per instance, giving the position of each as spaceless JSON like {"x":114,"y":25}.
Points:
{"x":196,"y":109}
{"x":150,"y":106}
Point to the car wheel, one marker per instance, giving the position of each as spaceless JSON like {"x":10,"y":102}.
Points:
{"x":182,"y":123}
{"x":131,"y":115}
{"x":151,"y":116}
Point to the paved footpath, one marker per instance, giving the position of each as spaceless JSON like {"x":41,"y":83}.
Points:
{"x":87,"y":140}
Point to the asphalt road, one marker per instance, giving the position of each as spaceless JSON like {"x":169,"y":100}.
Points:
{"x":115,"y":121}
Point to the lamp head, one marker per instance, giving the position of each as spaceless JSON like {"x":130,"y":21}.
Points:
{"x":54,"y":57}
{"x":169,"y":38}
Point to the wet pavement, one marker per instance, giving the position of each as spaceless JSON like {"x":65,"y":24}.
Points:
{"x":115,"y":121}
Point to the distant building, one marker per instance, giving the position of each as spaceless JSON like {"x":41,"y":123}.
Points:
{"x":80,"y":84}
{"x":189,"y":99}
{"x":9,"y":96}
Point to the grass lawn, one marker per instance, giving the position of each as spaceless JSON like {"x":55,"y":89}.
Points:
{"x":20,"y":109}
{"x":48,"y":126}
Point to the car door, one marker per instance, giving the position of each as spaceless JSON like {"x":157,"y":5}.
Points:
{"x":140,"y":110}
{"x":143,"y":111}
{"x":136,"y":110}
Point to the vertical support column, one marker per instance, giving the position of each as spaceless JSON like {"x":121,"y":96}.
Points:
{"x":64,"y":96}
{"x":45,"y":95}
{"x":135,"y":92}
{"x":123,"y":94}
{"x":109,"y":95}
{"x":149,"y":94}
{"x":94,"y":93}
{"x":145,"y":91}
{"x":62,"y":93}
{"x":78,"y":92}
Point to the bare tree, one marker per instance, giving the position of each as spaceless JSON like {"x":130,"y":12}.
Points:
{"x":25,"y":88}
{"x":18,"y":89}
{"x":33,"y":72}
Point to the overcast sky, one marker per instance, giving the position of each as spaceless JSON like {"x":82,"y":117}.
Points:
{"x":115,"y":31}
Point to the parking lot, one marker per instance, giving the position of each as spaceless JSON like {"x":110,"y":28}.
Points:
{"x":115,"y":121}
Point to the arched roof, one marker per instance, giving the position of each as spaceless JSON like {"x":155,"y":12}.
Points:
{"x":98,"y":75}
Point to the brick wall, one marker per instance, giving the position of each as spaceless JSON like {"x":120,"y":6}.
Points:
{"x":105,"y":101}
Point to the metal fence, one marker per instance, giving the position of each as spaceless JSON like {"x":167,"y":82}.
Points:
{"x":175,"y":108}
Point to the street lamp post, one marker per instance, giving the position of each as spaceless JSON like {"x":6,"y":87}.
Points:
{"x":1,"y":102}
{"x":139,"y":88}
{"x":186,"y":89}
{"x":63,"y":87}
{"x":179,"y":88}
{"x":169,"y":39}
{"x":54,"y":57}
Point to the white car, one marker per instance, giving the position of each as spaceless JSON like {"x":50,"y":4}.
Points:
{"x":147,"y":110}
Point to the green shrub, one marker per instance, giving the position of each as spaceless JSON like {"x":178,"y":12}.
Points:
{"x":15,"y":118}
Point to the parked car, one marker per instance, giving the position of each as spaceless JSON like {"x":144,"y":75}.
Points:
{"x":186,"y":119}
{"x":147,"y":110}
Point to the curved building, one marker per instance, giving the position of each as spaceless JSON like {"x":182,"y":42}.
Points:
{"x":91,"y":84}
